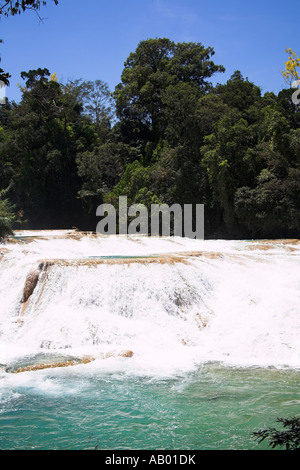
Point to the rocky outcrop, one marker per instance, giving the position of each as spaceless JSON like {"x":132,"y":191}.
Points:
{"x":2,"y":252}
{"x":70,"y":363}
{"x":117,"y":354}
{"x":90,"y":262}
{"x":53,"y":365}
{"x":30,"y":284}
{"x":29,"y":287}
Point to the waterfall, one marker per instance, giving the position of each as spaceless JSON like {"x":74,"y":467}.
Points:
{"x":174,"y":303}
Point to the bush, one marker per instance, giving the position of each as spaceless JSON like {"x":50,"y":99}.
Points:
{"x":288,"y":438}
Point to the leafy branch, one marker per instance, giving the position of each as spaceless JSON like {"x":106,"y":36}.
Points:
{"x":10,"y":7}
{"x":288,"y":438}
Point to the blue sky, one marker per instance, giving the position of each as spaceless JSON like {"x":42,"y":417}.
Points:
{"x":91,"y":39}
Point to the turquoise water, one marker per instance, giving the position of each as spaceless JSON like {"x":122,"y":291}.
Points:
{"x":214,"y":407}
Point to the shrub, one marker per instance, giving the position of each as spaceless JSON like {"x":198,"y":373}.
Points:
{"x":289,"y":437}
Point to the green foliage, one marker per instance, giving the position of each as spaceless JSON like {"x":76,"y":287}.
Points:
{"x":101,"y":168}
{"x":175,"y":139}
{"x":7,"y":215}
{"x":38,"y":152}
{"x":134,"y":184}
{"x":153,"y":72}
{"x":13,"y":7}
{"x":288,"y":437}
{"x":96,"y":100}
{"x":271,"y":209}
{"x":239,"y":93}
{"x":4,"y":76}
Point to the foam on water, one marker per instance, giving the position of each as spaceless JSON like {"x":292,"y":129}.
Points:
{"x":176,"y":303}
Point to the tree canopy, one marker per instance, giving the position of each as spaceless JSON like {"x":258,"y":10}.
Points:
{"x":164,"y":135}
{"x":158,"y":68}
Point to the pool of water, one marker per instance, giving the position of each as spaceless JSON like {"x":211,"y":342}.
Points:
{"x":214,"y":407}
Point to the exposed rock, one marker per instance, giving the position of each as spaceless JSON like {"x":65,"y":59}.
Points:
{"x":285,"y":241}
{"x":3,"y":251}
{"x":125,"y":354}
{"x":116,"y":354}
{"x":201,"y":321}
{"x":54,"y":365}
{"x":87,"y":360}
{"x":205,"y":254}
{"x":69,"y":363}
{"x":44,"y":265}
{"x":162,"y":259}
{"x":30,"y":284}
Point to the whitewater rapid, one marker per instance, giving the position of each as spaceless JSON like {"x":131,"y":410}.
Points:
{"x":175,"y":303}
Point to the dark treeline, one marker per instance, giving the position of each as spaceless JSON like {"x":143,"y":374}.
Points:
{"x":165,"y":135}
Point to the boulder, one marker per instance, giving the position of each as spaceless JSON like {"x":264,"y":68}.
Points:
{"x":68,"y":363}
{"x":126,"y":353}
{"x":30,"y":284}
{"x":54,"y":365}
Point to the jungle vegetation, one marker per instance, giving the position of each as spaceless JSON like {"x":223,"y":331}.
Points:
{"x":164,"y":135}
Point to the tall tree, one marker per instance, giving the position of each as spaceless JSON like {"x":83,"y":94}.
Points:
{"x":156,"y":65}
{"x":97,"y":102}
{"x":38,"y":152}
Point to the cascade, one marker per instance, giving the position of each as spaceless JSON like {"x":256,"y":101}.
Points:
{"x":150,"y":305}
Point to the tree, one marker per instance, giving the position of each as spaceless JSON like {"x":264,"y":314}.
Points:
{"x":38,"y":151}
{"x":4,"y":76}
{"x":286,"y":106}
{"x":136,"y":185}
{"x":96,"y":100}
{"x":239,"y":93}
{"x":156,"y":65}
{"x":288,"y":438}
{"x":7,"y":215}
{"x":101,"y":169}
{"x":13,"y":7}
{"x":291,"y":74}
{"x":177,"y":139}
{"x":224,"y":158}
{"x":271,"y":208}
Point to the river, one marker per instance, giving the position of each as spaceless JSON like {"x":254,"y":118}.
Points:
{"x":146,"y":343}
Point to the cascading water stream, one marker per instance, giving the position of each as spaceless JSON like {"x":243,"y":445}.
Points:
{"x":175,"y":303}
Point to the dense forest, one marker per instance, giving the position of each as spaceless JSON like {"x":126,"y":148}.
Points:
{"x":164,"y":135}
